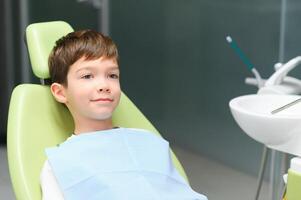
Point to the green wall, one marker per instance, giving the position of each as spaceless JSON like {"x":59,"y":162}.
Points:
{"x":180,"y":71}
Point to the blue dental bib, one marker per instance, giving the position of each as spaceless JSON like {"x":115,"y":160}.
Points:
{"x":118,"y":164}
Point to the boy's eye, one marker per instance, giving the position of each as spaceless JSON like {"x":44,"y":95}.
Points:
{"x":87,"y":76}
{"x":114,"y":76}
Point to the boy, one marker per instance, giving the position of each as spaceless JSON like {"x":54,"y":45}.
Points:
{"x":99,"y":161}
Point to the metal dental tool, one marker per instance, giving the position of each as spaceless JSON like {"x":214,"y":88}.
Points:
{"x":286,"y":106}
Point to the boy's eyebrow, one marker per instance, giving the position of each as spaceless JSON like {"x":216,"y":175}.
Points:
{"x":114,"y":67}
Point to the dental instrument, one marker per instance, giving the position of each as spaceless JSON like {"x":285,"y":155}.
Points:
{"x":279,"y":82}
{"x":286,"y":106}
{"x":279,"y":75}
{"x":245,"y":60}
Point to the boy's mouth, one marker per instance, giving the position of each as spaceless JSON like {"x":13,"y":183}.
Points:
{"x":102,"y":100}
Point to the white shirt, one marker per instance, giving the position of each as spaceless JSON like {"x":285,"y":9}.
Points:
{"x":49,"y":185}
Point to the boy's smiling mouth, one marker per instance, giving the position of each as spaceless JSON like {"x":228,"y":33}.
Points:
{"x":102,"y":100}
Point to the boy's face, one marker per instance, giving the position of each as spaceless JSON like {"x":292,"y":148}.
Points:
{"x":93,"y":90}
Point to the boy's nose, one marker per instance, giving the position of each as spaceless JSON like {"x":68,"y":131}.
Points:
{"x":104,"y":90}
{"x":103,"y":86}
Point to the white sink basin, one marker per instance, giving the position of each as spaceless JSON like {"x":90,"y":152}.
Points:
{"x":281,"y":131}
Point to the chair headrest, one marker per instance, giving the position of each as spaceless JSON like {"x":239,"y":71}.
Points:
{"x":41,"y":38}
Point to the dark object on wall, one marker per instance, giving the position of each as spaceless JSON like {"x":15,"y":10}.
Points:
{"x":3,"y":78}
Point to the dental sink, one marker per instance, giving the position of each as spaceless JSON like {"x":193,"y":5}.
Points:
{"x":280,"y":131}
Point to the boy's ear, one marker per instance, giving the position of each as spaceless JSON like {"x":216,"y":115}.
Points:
{"x":58,"y":91}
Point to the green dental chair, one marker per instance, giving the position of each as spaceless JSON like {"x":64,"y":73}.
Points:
{"x":37,"y":121}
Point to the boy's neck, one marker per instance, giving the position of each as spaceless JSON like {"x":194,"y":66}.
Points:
{"x":91,"y":126}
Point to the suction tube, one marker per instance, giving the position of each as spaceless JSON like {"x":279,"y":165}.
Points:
{"x":245,"y":60}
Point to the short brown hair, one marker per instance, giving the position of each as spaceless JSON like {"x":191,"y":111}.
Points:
{"x":88,"y":43}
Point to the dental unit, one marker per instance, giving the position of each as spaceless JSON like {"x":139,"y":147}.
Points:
{"x":279,"y":130}
{"x":279,"y":82}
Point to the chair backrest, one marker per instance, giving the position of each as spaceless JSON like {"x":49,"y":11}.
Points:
{"x":37,"y":121}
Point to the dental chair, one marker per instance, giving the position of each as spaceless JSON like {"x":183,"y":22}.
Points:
{"x":37,"y":121}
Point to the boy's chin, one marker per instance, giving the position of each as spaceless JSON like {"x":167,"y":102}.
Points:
{"x":104,"y":116}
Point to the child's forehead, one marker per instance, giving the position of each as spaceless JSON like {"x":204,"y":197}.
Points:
{"x":102,"y":62}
